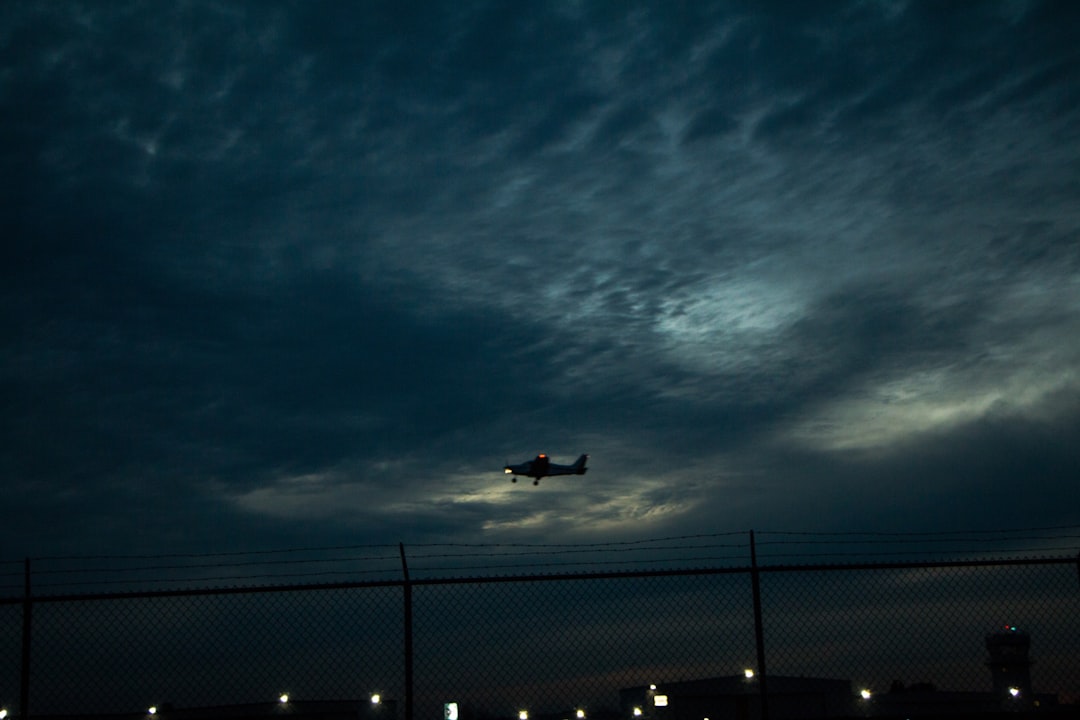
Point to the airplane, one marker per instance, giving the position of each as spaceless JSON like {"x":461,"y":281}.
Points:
{"x":541,"y":466}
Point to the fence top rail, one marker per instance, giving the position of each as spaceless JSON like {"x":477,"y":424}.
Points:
{"x":540,"y":577}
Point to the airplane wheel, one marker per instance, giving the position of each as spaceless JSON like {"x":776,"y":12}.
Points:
{"x":513,"y":479}
{"x":536,"y":482}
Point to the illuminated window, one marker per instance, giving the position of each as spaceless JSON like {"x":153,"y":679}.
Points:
{"x":660,"y":700}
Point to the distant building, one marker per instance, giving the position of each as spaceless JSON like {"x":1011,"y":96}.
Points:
{"x":1010,"y":666}
{"x":739,"y":698}
{"x":802,"y":698}
{"x":925,"y":700}
{"x":1010,"y":672}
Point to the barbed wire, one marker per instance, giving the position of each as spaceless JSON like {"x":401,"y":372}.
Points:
{"x":434,"y":558}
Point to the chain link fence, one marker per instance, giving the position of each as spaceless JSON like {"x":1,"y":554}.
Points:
{"x":548,"y":644}
{"x":129,"y":653}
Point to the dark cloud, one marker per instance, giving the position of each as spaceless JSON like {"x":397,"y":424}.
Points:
{"x":283,"y":272}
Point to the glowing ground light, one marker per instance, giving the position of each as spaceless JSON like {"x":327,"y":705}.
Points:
{"x":152,"y":710}
{"x":376,"y":698}
{"x":865,"y":694}
{"x":580,"y":713}
{"x":637,"y":712}
{"x":284,"y":698}
{"x":1014,"y":691}
{"x":749,"y":673}
{"x":3,"y":713}
{"x":523,"y":715}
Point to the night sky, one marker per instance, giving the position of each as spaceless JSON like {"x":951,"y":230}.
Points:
{"x":283,"y":274}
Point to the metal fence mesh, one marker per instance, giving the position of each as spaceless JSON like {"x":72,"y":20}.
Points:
{"x":556,"y":645}
{"x":921,"y":625}
{"x":10,"y":654}
{"x":127,"y":654}
{"x":549,"y":644}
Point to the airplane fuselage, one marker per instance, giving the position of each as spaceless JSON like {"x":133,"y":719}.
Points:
{"x":541,"y":466}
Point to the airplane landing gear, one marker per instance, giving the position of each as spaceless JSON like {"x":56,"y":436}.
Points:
{"x":536,"y":482}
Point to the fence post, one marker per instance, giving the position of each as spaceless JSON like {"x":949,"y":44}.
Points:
{"x":407,"y":587}
{"x":759,"y":631}
{"x":24,"y":689}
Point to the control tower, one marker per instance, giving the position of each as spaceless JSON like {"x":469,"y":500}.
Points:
{"x":1010,"y":666}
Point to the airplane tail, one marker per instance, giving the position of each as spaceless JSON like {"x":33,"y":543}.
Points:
{"x":579,"y":465}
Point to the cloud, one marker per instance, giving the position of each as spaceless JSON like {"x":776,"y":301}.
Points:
{"x":330,"y":269}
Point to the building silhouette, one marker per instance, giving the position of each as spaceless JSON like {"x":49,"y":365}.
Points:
{"x":804,"y":698}
{"x":739,"y":698}
{"x":1010,"y":664}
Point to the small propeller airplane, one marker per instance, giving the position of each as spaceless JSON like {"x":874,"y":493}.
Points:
{"x":541,"y":466}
